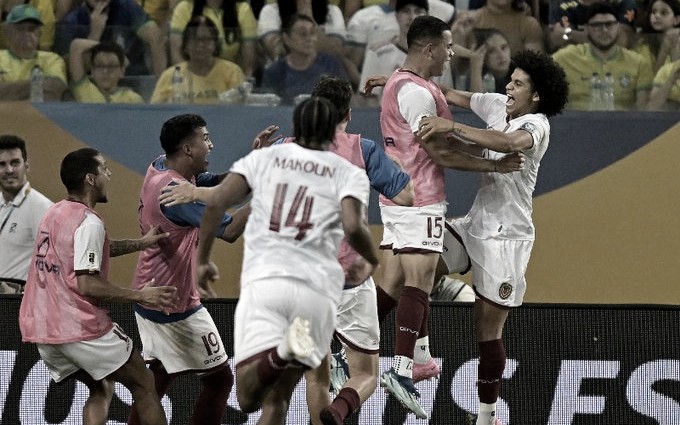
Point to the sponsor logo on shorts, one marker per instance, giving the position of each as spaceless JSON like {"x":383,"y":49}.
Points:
{"x":214,"y":359}
{"x":432,"y":243}
{"x":504,"y":291}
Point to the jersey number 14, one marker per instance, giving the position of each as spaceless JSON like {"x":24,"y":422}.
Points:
{"x":303,"y":224}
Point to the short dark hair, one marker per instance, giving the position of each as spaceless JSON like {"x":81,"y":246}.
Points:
{"x":425,"y":29}
{"x":337,"y":90}
{"x":288,"y":23}
{"x":75,"y":166}
{"x":177,"y":129}
{"x":107,"y":47}
{"x":10,"y":141}
{"x":423,"y":4}
{"x":600,"y":8}
{"x":547,"y":79}
{"x":314,"y":122}
{"x":192,"y":28}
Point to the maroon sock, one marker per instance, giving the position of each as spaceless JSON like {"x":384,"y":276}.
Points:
{"x":270,"y":367}
{"x":162,"y":381}
{"x":424,"y":325}
{"x":346,"y":402}
{"x":410,"y":310}
{"x":490,"y":371}
{"x":212,"y":401}
{"x":385,"y":303}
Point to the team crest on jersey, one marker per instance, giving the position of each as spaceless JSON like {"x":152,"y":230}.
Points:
{"x":504,"y":291}
{"x":626,"y":80}
{"x":528,"y":127}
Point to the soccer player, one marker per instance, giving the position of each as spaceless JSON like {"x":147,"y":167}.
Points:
{"x":302,"y":198}
{"x":358,"y":328}
{"x":413,"y":236}
{"x":184,"y":338}
{"x":499,"y":223}
{"x":67,"y":279}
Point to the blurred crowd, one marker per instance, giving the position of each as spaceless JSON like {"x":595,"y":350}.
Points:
{"x":618,"y":55}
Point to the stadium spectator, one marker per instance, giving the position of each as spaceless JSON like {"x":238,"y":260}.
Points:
{"x":377,"y":23}
{"x":521,"y":30}
{"x":665,"y":94}
{"x":204,"y":74}
{"x":632,"y":74}
{"x":47,"y":16}
{"x":567,"y":20}
{"x":383,"y":59}
{"x":331,"y":30}
{"x":120,"y":21}
{"x":298,"y":72}
{"x":23,"y":26}
{"x":659,"y":38}
{"x":236,"y":26}
{"x":106,"y":62}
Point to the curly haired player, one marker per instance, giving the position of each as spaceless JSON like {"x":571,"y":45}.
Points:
{"x":499,"y":224}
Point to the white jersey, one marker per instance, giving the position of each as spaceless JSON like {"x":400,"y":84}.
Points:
{"x":503,"y":206}
{"x":384,"y":59}
{"x":378,"y":23}
{"x":19,"y":220}
{"x":294,"y":228}
{"x":270,"y":21}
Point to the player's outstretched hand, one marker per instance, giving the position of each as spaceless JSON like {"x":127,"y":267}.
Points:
{"x":373,"y":82}
{"x":152,"y":237}
{"x":510,"y":163}
{"x":266,"y":138}
{"x":162,"y":297}
{"x":205,"y":275}
{"x":430,"y":126}
{"x":177,"y":192}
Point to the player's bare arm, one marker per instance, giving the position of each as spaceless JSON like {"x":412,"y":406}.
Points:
{"x":515,"y":141}
{"x":232,"y":191}
{"x":93,"y":285}
{"x":180,"y":192}
{"x":127,"y":246}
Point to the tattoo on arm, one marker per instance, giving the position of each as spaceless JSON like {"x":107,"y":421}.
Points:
{"x":124,"y":246}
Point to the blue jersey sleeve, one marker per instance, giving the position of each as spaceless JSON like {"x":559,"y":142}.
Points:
{"x":189,"y":215}
{"x":208,"y":179}
{"x":384,"y":174}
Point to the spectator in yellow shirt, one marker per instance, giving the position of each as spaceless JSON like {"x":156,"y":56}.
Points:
{"x":23,"y":27}
{"x":236,"y":25}
{"x":204,"y":74}
{"x":107,"y":67}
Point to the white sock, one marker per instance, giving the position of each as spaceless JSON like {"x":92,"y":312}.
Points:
{"x":421,"y":354}
{"x":403,"y":366}
{"x":487,"y":414}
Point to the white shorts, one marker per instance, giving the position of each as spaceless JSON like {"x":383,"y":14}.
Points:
{"x":498,"y":267}
{"x":191,"y":344}
{"x":454,"y":253}
{"x":99,"y":357}
{"x":358,"y":324}
{"x":413,"y":229}
{"x":267,"y":307}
